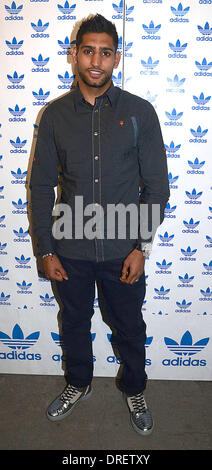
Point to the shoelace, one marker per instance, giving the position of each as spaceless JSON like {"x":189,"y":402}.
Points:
{"x":69,"y":393}
{"x":138,"y":403}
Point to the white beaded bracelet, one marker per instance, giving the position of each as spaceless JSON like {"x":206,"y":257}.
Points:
{"x":48,"y":254}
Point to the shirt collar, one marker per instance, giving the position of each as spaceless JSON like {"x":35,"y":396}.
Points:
{"x":109,"y":97}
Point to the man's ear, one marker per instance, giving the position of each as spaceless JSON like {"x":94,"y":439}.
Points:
{"x":74,"y":54}
{"x":117,"y":59}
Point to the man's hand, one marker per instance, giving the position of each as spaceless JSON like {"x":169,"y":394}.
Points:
{"x":133,"y":267}
{"x":54,"y":269}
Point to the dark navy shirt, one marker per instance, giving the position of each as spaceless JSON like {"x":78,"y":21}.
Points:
{"x":109,"y":153}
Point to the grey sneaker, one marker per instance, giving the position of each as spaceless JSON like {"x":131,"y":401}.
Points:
{"x":140,"y":416}
{"x":63,"y":405}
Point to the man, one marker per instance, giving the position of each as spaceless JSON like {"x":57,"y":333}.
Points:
{"x":105,"y":140}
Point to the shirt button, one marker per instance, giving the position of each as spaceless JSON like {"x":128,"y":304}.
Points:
{"x":96,"y":110}
{"x":96,"y":157}
{"x":96,"y":180}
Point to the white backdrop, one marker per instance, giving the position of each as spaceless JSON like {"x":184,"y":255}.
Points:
{"x":167,"y":59}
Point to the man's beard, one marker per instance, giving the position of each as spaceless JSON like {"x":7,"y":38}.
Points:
{"x":105,"y":79}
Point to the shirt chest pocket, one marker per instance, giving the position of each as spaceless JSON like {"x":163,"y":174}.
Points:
{"x":124,"y":138}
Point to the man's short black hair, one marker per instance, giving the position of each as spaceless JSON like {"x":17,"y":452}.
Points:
{"x":97,"y":24}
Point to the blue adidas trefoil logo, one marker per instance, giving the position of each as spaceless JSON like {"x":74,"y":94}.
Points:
{"x":168,"y":212}
{"x":161,"y":293}
{"x":199,"y":132}
{"x":41,"y":97}
{"x":21,"y":235}
{"x":46,"y":300}
{"x":185,"y":281}
{"x":151,"y":31}
{"x":40,"y":28}
{"x":179,"y":14}
{"x":17,"y":113}
{"x":193,"y":197}
{"x":183,"y":306}
{"x":203,"y":67}
{"x":20,"y":206}
{"x":14,"y":46}
{"x":67,"y":81}
{"x":184,"y":350}
{"x":172,"y":181}
{"x":40,"y":63}
{"x":22,"y":262}
{"x":206,"y":32}
{"x":186,"y":347}
{"x":14,"y":11}
{"x":17,"y":340}
{"x":207,"y":294}
{"x":175,"y":84}
{"x":18,"y":343}
{"x":196,"y":165}
{"x":24,"y":288}
{"x":177,"y":48}
{"x":165,"y":239}
{"x":149,"y":67}
{"x":164,"y":267}
{"x":20,"y":177}
{"x":3,"y":274}
{"x":188,"y":254}
{"x":66,"y":11}
{"x":119,"y":11}
{"x":127,"y":47}
{"x":18,"y":145}
{"x":191,"y":226}
{"x":172,"y":150}
{"x":4,"y":300}
{"x":199,"y":135}
{"x":15,"y":80}
{"x":66,"y":46}
{"x":208,"y":268}
{"x":173,"y":118}
{"x":201,"y":101}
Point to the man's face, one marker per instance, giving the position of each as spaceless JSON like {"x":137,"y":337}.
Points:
{"x":96,"y":58}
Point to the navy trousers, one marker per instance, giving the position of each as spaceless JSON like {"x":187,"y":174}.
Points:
{"x":124,"y":303}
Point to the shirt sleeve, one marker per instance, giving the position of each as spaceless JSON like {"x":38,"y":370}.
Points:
{"x":154,"y":189}
{"x":44,"y":178}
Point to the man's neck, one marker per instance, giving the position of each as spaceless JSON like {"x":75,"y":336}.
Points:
{"x":91,"y":93}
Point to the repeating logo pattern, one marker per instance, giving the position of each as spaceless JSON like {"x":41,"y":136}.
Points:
{"x":172,"y":69}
